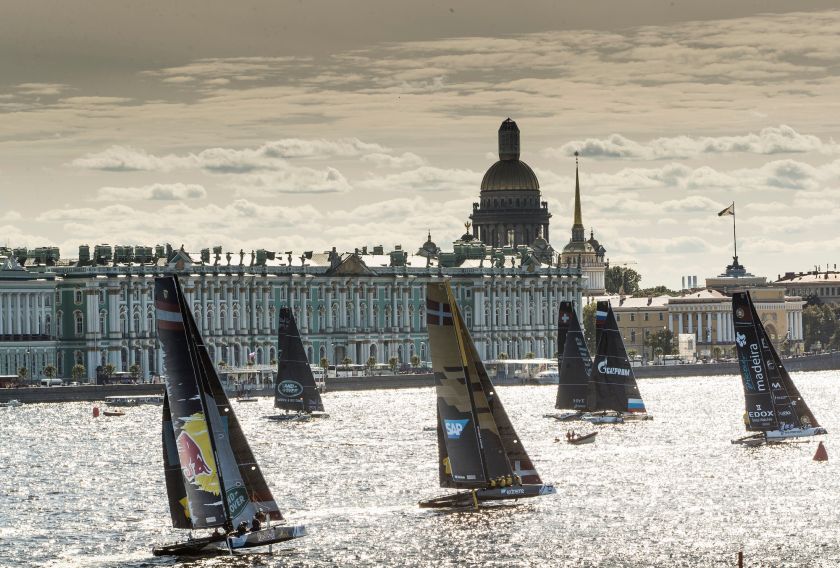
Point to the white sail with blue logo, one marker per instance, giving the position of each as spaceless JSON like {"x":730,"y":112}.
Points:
{"x":478,"y":448}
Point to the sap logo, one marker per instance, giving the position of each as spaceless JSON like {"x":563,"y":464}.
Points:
{"x":454,"y":428}
{"x":740,"y":339}
{"x":602,"y":368}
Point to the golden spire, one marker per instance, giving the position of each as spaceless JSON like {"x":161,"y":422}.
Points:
{"x":578,"y":216}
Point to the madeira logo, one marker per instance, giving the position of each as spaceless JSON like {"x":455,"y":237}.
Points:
{"x":454,"y":428}
{"x":290,"y":389}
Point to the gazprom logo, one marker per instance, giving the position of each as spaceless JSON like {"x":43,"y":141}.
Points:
{"x":454,"y":428}
{"x":603,"y":369}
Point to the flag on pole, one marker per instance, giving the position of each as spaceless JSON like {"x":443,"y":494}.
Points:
{"x":728,"y":211}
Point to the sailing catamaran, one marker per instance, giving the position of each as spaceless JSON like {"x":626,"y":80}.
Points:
{"x":575,"y":365}
{"x":478,"y":448}
{"x":774,"y":407}
{"x":295,"y":390}
{"x":212,"y":478}
{"x":613,"y":394}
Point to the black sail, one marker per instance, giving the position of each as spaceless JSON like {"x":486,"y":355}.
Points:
{"x":217,"y":467}
{"x":295,"y":387}
{"x":762,"y":372}
{"x":613,"y":385}
{"x":175,"y":489}
{"x":575,"y":364}
{"x":758,"y":395}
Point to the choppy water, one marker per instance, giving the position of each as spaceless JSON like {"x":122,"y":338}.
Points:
{"x":78,"y":491}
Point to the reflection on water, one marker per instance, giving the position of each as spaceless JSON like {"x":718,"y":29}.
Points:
{"x":79,"y":491}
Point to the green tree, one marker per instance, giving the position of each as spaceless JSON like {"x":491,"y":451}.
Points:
{"x":530,"y":355}
{"x":50,"y":371}
{"x":78,"y":371}
{"x":415,"y":361}
{"x":346,"y":361}
{"x":661,"y":342}
{"x":393,"y":362}
{"x":819,"y":323}
{"x":23,"y":372}
{"x":589,"y":325}
{"x":108,"y":370}
{"x":371,"y":363}
{"x":655,"y":291}
{"x":325,"y":363}
{"x":135,"y":371}
{"x":615,"y":276}
{"x":503,"y":356}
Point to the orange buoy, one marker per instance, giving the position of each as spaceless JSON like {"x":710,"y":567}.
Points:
{"x":96,"y":412}
{"x":821,"y":454}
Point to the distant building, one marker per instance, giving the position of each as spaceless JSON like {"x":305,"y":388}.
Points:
{"x":707,"y":314}
{"x":824,"y":286}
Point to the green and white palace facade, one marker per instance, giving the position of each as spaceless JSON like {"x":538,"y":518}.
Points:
{"x":360,"y":305}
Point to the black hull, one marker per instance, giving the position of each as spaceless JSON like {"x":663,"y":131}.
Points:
{"x":479,"y":496}
{"x":221,"y":545}
{"x":298,"y":417}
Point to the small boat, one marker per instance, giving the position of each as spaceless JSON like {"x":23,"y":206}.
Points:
{"x":577,"y":439}
{"x":10,"y":404}
{"x":113,"y":413}
{"x":774,"y":408}
{"x":295,"y":390}
{"x":478,"y":448}
{"x":212,"y":477}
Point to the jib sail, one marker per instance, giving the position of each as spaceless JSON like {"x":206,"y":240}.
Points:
{"x":575,"y":364}
{"x":758,"y":396}
{"x":613,"y":385}
{"x":175,"y":489}
{"x":294,"y":388}
{"x":204,"y":427}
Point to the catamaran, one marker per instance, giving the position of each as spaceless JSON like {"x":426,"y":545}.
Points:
{"x":613,"y":394}
{"x":774,"y":408}
{"x":212,"y":478}
{"x":478,"y":449}
{"x":575,"y":365}
{"x":295,"y":389}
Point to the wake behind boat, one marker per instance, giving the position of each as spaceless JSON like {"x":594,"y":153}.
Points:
{"x":478,"y":449}
{"x":212,"y":478}
{"x":295,"y":390}
{"x":774,"y":408}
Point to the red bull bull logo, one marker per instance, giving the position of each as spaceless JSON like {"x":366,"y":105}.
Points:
{"x":192,"y":460}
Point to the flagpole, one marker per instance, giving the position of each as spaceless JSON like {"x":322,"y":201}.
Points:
{"x":734,"y":237}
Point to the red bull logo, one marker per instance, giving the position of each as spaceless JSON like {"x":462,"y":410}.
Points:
{"x":192,"y":460}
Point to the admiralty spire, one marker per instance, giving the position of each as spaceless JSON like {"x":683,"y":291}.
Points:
{"x":510,"y":211}
{"x":587,"y":254}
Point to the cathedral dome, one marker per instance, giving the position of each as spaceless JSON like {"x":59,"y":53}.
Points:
{"x":509,"y":175}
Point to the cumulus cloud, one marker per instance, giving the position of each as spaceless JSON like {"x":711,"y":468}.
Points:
{"x":425,"y":178}
{"x":268,"y":156}
{"x":291,"y":180}
{"x":154,"y":192}
{"x":40,"y":88}
{"x":406,"y":160}
{"x":770,"y":140}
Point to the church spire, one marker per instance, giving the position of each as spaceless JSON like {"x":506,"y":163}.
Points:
{"x":578,"y":233}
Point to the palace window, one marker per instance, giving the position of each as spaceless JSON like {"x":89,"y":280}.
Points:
{"x":661,"y":316}
{"x":632,"y":317}
{"x":647,"y":316}
{"x":77,"y":296}
{"x":78,"y":323}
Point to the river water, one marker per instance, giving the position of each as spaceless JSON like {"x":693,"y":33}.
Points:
{"x":79,"y":491}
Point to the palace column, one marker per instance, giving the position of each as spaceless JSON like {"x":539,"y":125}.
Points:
{"x":671,"y":322}
{"x":719,"y":338}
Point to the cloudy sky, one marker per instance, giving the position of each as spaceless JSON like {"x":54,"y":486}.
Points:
{"x":311,"y":124}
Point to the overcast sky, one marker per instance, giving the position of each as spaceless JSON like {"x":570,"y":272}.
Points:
{"x":311,"y":124}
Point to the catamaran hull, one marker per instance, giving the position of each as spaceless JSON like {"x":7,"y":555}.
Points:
{"x":566,"y":416}
{"x":470,"y":499}
{"x":302,"y":417}
{"x":778,"y":436}
{"x":210,"y":545}
{"x":603,"y":418}
{"x":634,"y":416}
